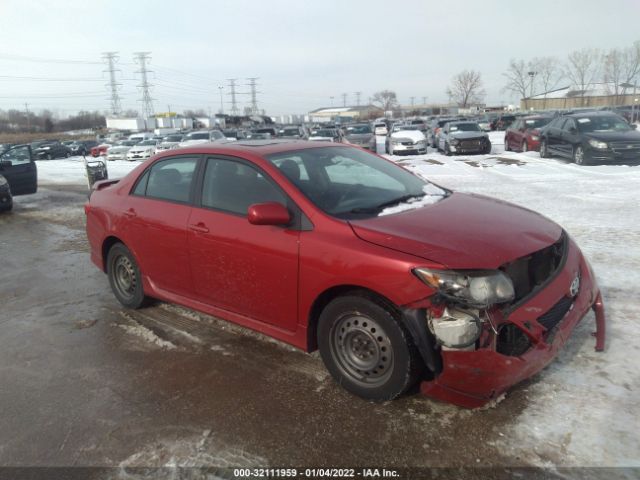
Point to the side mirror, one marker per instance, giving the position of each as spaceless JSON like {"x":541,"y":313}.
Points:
{"x":270,"y":213}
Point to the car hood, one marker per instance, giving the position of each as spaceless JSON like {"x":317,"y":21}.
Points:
{"x":629,"y":136}
{"x":414,"y":135}
{"x":465,"y":135}
{"x":354,"y":137}
{"x":462,"y":231}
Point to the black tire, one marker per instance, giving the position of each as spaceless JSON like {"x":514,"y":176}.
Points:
{"x":447,"y":150}
{"x":49,"y":157}
{"x":67,"y":155}
{"x":366,"y":348}
{"x":579,"y":157}
{"x":6,"y":208}
{"x":125,"y":278}
{"x":487,"y":148}
{"x":506,"y":145}
{"x":544,"y":149}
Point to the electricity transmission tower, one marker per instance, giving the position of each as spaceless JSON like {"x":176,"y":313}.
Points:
{"x":232,"y":92}
{"x":344,"y":99}
{"x":111,"y":58}
{"x":358,"y":98}
{"x":141,"y":58}
{"x":254,"y":101}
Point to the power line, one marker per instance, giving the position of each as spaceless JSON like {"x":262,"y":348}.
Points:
{"x":232,"y":92}
{"x":141,"y":59}
{"x":50,"y":79}
{"x":111,"y":58}
{"x":253,"y":93}
{"x":21,"y":58}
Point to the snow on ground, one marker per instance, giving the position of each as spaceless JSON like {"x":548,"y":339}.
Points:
{"x":583,"y":409}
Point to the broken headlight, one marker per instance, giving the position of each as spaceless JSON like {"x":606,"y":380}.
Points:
{"x":476,"y":288}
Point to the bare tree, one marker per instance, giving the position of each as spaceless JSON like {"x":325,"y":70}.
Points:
{"x":620,"y":69}
{"x":582,"y":69}
{"x":547,"y":73}
{"x":386,"y":99}
{"x":466,"y":88}
{"x":518,"y":79}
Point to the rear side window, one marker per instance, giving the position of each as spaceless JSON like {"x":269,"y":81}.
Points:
{"x":234,"y":186}
{"x":17,"y":155}
{"x":168,"y":179}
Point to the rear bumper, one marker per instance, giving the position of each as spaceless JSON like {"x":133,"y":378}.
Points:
{"x":472,"y":378}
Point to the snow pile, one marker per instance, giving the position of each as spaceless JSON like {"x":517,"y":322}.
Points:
{"x":432,"y":194}
{"x":72,"y":170}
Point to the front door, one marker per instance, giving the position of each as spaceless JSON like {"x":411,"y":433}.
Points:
{"x":247,"y":269}
{"x":17,"y":166}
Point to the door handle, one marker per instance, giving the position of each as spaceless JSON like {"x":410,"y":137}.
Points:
{"x":199,"y":227}
{"x":130,"y":213}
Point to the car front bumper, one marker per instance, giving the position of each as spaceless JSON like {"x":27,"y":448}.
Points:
{"x":612,"y":156}
{"x":417,"y":148}
{"x":138,"y":156}
{"x":473,"y":378}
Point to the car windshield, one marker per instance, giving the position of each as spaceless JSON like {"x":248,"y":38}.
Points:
{"x":358,"y":129}
{"x":349,"y":183}
{"x":290,"y":132}
{"x":536,"y":122}
{"x":172,"y":138}
{"x":464,"y":127}
{"x":399,"y":128}
{"x":198,"y":136}
{"x":602,"y":124}
{"x":323,"y":133}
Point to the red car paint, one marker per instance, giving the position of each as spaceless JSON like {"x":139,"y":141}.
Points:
{"x":269,"y":278}
{"x":520,"y":137}
{"x":99,"y":150}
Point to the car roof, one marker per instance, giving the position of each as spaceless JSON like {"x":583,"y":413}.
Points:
{"x":257,"y":147}
{"x":592,"y":113}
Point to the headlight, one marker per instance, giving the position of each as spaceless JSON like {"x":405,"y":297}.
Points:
{"x":3,"y":181}
{"x":597,"y":144}
{"x":455,"y":141}
{"x":474,"y":288}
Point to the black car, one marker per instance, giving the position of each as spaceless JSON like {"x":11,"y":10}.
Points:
{"x":82,"y":147}
{"x":18,"y":174}
{"x":51,"y":150}
{"x":591,"y":137}
{"x":463,"y":137}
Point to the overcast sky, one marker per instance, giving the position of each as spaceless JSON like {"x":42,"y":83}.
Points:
{"x":303,"y":51}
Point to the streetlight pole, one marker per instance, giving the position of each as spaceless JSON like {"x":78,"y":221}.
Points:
{"x":220,"y":87}
{"x":531,"y":76}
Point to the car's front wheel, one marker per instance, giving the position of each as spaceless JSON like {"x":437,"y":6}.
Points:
{"x":544,"y":149}
{"x":366,"y":348}
{"x":124,"y":277}
{"x":579,"y":156}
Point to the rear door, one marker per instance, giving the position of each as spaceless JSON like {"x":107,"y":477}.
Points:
{"x":154,"y":222}
{"x":568,"y":137}
{"x":18,"y":167}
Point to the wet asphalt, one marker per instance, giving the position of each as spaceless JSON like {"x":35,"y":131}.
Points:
{"x":84,"y":382}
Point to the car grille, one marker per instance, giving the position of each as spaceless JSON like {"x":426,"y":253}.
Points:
{"x":626,"y":149}
{"x":556,"y":313}
{"x":470,"y":144}
{"x":530,"y":272}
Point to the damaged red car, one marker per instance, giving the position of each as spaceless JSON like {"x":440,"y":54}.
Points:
{"x":396,"y":281}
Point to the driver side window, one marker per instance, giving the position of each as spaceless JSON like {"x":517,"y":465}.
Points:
{"x":17,"y":155}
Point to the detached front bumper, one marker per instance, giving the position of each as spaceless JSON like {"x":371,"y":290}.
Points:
{"x":472,"y":378}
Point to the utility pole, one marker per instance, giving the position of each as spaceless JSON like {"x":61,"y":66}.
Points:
{"x":331,"y":98}
{"x":358,"y":98}
{"x":141,"y":58}
{"x":344,"y":99}
{"x":232,"y":92}
{"x":220,"y":87}
{"x":253,"y":93}
{"x":413,"y":101}
{"x":424,"y":100}
{"x":26,"y":109}
{"x":111,"y":58}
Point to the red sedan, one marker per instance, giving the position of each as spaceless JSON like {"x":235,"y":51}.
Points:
{"x":396,"y":280}
{"x":100,"y":150}
{"x":524,"y":134}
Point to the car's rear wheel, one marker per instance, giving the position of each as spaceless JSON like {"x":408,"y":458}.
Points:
{"x":544,"y":149}
{"x":124,"y":277}
{"x":366,"y":348}
{"x":67,"y":155}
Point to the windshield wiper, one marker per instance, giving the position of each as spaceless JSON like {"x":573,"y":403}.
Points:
{"x":386,"y":204}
